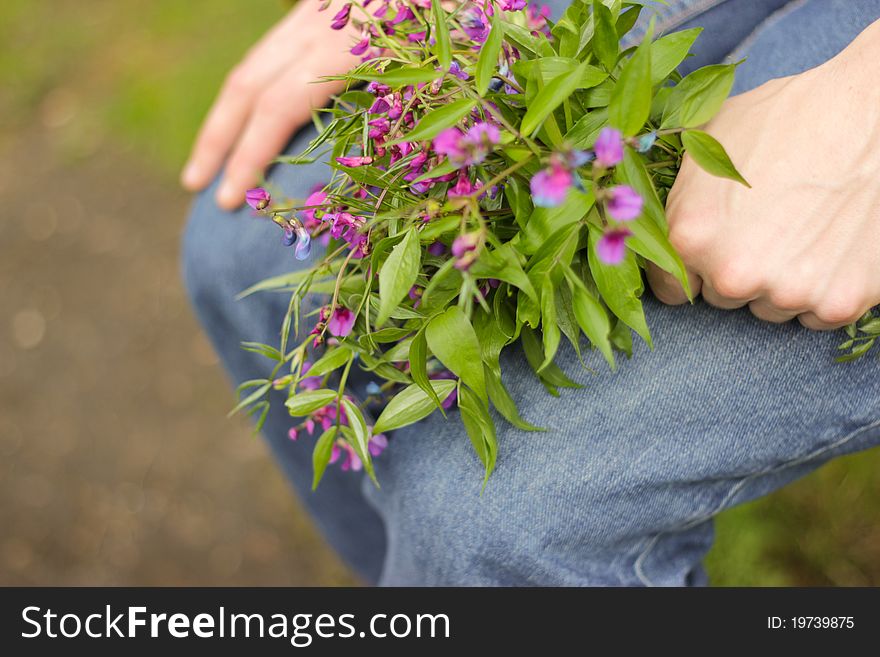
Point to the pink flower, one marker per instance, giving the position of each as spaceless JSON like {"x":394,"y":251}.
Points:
{"x":464,"y":250}
{"x":512,"y":5}
{"x":309,"y":382}
{"x":624,"y":203}
{"x":341,"y":322}
{"x":550,"y":186}
{"x":316,"y":198}
{"x":611,"y":247}
{"x":340,"y":20}
{"x":609,"y":147}
{"x":292,"y":433}
{"x":471,"y":147}
{"x":354,"y":161}
{"x":258,"y":198}
{"x":463,"y":186}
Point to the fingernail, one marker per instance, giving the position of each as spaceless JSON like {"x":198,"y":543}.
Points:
{"x":190,"y":176}
{"x":228,"y":197}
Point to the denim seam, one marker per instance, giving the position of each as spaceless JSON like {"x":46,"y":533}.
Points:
{"x":772,"y":19}
{"x":736,"y":488}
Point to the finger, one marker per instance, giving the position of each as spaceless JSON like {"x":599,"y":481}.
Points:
{"x":221,"y":128}
{"x":279,"y":113}
{"x":811,"y":321}
{"x":667,"y":288}
{"x":763,"y":309}
{"x":714,"y":298}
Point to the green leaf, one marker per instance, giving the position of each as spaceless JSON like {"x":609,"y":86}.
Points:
{"x":488,"y":61}
{"x":397,"y":275}
{"x":430,"y":125}
{"x":631,"y":97}
{"x":669,"y":51}
{"x":503,"y":264}
{"x":503,"y":402}
{"x":549,"y":98}
{"x":443,"y":45}
{"x":330,"y":361}
{"x":321,"y":455}
{"x":698,"y":97}
{"x":591,"y":316}
{"x":710,"y":155}
{"x":584,"y":132}
{"x":453,"y":341}
{"x":400,"y":77}
{"x":622,"y":339}
{"x":620,"y":286}
{"x":566,"y":319}
{"x":546,"y":222}
{"x":649,"y":237}
{"x":358,"y":427}
{"x":605,"y":42}
{"x":551,"y":67}
{"x":549,"y":325}
{"x":551,"y":376}
{"x":307,"y":401}
{"x":411,"y":405}
{"x":480,"y":428}
{"x":250,"y":399}
{"x":418,"y":358}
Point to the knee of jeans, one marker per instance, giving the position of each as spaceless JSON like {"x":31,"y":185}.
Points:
{"x":539,"y":520}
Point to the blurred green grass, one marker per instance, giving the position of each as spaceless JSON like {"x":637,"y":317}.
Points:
{"x":140,"y":74}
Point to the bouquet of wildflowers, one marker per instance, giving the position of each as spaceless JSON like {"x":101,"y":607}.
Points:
{"x":493,"y":178}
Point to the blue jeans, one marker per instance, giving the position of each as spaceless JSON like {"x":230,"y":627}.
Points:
{"x":623,"y":488}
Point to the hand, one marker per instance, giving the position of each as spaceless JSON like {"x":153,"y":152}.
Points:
{"x":267,"y":97}
{"x":804,"y":241}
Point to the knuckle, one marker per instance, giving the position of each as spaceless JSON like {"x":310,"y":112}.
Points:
{"x":689,"y":238}
{"x":735,"y":278}
{"x":239,"y":80}
{"x":840,"y":309}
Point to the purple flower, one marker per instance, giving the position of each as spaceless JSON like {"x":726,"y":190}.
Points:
{"x":303,"y":242}
{"x":550,"y":186}
{"x":624,"y":203}
{"x":354,"y":161}
{"x":611,"y":247}
{"x":452,"y":397}
{"x":377,"y":443}
{"x":309,"y":382}
{"x":258,"y":198}
{"x":379,"y":127}
{"x":381,"y":105}
{"x":361,"y":46}
{"x":341,"y":322}
{"x":512,"y":5}
{"x":437,"y":248}
{"x":455,"y":69}
{"x":288,"y":237}
{"x":609,"y":147}
{"x":475,"y":24}
{"x":340,"y":20}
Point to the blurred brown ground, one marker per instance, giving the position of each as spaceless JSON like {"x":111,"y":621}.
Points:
{"x":117,"y":464}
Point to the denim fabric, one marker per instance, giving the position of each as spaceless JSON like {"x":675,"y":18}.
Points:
{"x":623,"y":487}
